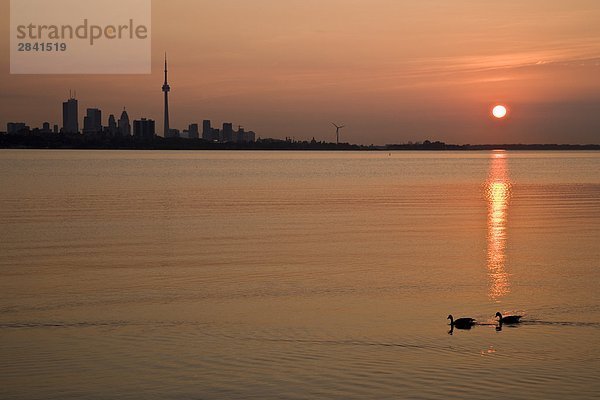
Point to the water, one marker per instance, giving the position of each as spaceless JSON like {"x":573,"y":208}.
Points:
{"x":217,"y":275}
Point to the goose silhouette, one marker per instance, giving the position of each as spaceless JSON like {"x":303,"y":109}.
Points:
{"x":461,"y":323}
{"x":509,"y":319}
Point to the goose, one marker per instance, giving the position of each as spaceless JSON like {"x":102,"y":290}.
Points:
{"x":510,"y":319}
{"x":461,"y":323}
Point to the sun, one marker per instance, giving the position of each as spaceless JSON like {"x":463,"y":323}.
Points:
{"x":499,"y":111}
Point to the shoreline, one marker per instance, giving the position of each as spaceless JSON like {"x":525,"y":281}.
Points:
{"x":80,"y":142}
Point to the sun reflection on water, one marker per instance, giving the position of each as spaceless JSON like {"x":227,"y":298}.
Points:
{"x":498,"y":190}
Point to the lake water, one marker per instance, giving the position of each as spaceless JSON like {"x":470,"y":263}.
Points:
{"x":298,"y":275}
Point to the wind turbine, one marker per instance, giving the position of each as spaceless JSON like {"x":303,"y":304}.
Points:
{"x":337,"y":132}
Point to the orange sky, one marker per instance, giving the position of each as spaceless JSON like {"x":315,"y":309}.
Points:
{"x":391,"y":70}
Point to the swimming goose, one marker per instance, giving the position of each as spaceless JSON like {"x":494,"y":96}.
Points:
{"x":461,"y":323}
{"x":510,"y":319}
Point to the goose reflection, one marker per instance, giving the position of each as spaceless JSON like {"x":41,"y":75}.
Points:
{"x":498,"y":191}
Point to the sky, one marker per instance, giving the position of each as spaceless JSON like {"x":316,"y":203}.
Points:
{"x":392,"y":71}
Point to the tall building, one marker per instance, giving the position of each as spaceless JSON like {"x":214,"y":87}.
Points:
{"x":227,"y":132}
{"x":166,"y":89}
{"x":124,"y":125}
{"x":241,"y":135}
{"x":92,"y":122}
{"x":112,"y":125}
{"x":193,"y":132}
{"x":144,"y":129}
{"x":70,"y":116}
{"x":207,"y":131}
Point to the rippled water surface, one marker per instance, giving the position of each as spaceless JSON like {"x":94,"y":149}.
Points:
{"x":218,"y":275}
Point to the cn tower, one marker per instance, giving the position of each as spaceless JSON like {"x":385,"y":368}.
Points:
{"x":166,"y":89}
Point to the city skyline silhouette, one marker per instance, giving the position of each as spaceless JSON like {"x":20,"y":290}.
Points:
{"x":145,"y":128}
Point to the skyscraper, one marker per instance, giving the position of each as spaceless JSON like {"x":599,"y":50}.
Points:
{"x":166,"y":89}
{"x":124,"y":125}
{"x":70,"y":116}
{"x":227,"y":132}
{"x":193,"y":132}
{"x":207,"y":131}
{"x":143,"y":129}
{"x":92,"y":123}
{"x":112,"y":125}
{"x":240,"y":137}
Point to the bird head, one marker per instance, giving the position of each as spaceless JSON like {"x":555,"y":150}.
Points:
{"x":498,"y":314}
{"x":449,"y":317}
